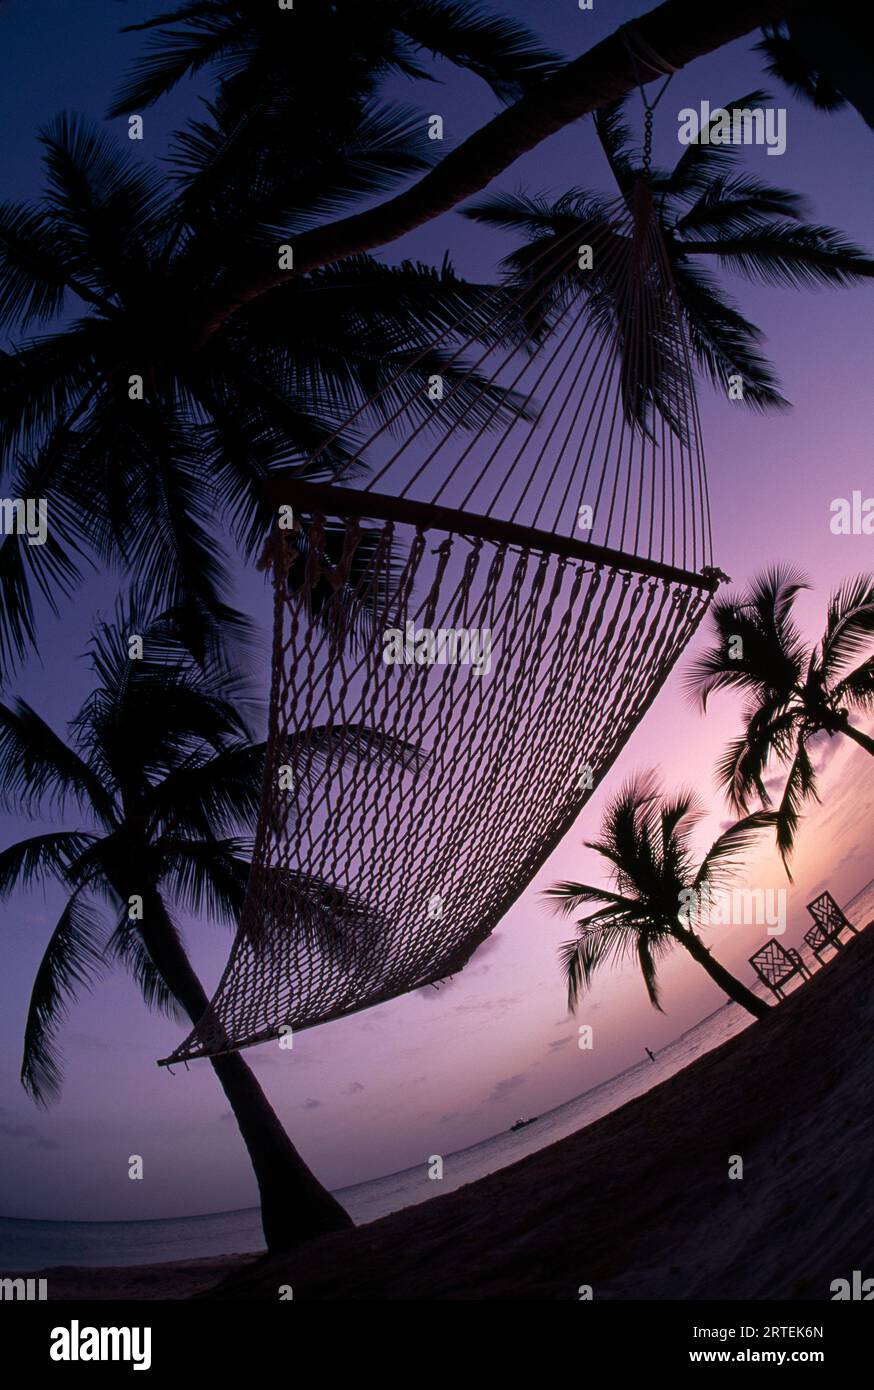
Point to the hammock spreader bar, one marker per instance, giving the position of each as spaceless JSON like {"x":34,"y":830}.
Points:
{"x":324,"y":499}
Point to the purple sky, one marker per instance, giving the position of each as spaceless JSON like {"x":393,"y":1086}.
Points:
{"x":386,"y":1088}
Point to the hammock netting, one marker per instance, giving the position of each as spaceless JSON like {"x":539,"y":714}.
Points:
{"x":408,"y":802}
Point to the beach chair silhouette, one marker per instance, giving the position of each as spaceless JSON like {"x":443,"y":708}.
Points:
{"x":828,"y":923}
{"x":775,"y":965}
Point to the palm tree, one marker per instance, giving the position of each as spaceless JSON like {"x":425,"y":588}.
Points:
{"x":651,"y":907}
{"x":795,"y":692}
{"x":318,"y":70}
{"x":823,"y":53}
{"x":582,"y":85}
{"x":706,"y":212}
{"x":161,"y":765}
{"x":144,"y":450}
{"x":328,"y":56}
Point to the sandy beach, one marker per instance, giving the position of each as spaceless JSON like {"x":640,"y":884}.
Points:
{"x":638,"y":1204}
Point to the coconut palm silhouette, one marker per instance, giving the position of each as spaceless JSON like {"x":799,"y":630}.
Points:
{"x":160,"y":767}
{"x":650,"y":908}
{"x":796,"y":692}
{"x":707,"y":213}
{"x":148,"y":453}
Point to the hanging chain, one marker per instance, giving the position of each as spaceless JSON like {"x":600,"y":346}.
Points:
{"x":647,"y":142}
{"x":648,"y":107}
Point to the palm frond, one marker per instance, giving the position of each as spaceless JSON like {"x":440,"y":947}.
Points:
{"x":735,"y":205}
{"x":39,"y":770}
{"x":724,"y":859}
{"x":210,"y":797}
{"x":823,"y":54}
{"x":857,"y":687}
{"x":701,"y":162}
{"x":647,"y":965}
{"x":126,"y":946}
{"x":723,"y":341}
{"x":614,"y":134}
{"x":740,"y":771}
{"x":71,"y":962}
{"x":502,"y":51}
{"x":51,"y":855}
{"x":849,"y":624}
{"x":248,"y":43}
{"x":175,"y":53}
{"x":51,"y":564}
{"x":800,"y":786}
{"x":786,"y":62}
{"x":107,"y":206}
{"x":567,"y":898}
{"x":580,"y":959}
{"x":678,"y":814}
{"x":783,"y":253}
{"x":772,"y":657}
{"x":235,"y":195}
{"x":336,"y":924}
{"x":33,"y":278}
{"x":45,"y":384}
{"x":206,"y":877}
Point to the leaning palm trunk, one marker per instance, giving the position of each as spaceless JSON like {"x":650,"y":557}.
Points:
{"x":673,"y":33}
{"x":735,"y":989}
{"x":294,"y":1205}
{"x":858,"y":737}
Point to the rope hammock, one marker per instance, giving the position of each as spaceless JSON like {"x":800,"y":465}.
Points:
{"x":408,"y":802}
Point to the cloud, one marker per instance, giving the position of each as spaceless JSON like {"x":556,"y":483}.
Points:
{"x":281,"y":1057}
{"x":473,"y":967}
{"x":505,"y":1087}
{"x":311,"y":1104}
{"x":27,"y":1134}
{"x":561,"y":1042}
{"x":354,"y":1089}
{"x":485,"y":1006}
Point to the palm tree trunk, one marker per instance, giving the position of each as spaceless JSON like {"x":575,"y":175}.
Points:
{"x":677,"y":30}
{"x":734,"y":988}
{"x":294,"y":1205}
{"x":858,"y":737}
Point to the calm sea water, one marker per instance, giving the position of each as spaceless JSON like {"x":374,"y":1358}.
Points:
{"x":36,"y":1244}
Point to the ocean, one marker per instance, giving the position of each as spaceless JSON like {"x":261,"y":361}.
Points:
{"x":26,"y":1245}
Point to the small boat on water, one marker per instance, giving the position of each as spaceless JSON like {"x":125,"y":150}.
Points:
{"x":520,"y":1124}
